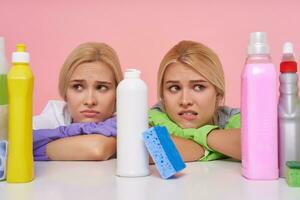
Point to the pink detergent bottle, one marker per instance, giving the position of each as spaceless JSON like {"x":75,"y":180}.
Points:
{"x":259,"y":112}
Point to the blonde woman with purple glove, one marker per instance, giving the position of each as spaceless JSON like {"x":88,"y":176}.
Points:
{"x":83,"y":126}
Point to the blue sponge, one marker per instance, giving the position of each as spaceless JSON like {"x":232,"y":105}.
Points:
{"x":3,"y":156}
{"x":163,"y":151}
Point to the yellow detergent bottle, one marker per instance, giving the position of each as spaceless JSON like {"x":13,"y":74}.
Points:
{"x":20,"y":91}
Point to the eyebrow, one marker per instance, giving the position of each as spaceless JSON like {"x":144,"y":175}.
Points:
{"x":99,"y":82}
{"x":191,"y":81}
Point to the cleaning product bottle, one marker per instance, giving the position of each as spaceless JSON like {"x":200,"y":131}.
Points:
{"x":259,"y":112}
{"x":132,"y":121}
{"x":20,"y":91}
{"x":3,"y":91}
{"x":288,"y":110}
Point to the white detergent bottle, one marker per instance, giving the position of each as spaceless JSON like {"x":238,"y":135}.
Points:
{"x":3,"y":91}
{"x":132,"y":121}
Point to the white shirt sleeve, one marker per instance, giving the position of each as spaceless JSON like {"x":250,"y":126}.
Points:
{"x":54,"y":115}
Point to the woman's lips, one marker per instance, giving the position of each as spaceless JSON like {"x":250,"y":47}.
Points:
{"x":188,"y":115}
{"x":90,"y":113}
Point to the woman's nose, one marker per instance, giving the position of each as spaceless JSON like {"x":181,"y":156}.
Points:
{"x":90,"y":99}
{"x":185,"y":99}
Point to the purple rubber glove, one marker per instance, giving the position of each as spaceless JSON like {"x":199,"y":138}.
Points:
{"x":42,"y":137}
{"x":107,"y":128}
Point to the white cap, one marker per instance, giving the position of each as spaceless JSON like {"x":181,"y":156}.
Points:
{"x":288,"y":48}
{"x":132,"y":73}
{"x":3,"y":62}
{"x":20,"y":56}
{"x":2,"y":45}
{"x":258,"y":43}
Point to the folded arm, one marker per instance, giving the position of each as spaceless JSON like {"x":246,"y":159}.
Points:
{"x":82,"y":147}
{"x":188,"y":149}
{"x":226,"y":141}
{"x":69,"y":136}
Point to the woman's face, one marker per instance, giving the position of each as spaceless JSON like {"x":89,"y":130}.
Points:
{"x":189,"y":99}
{"x":91,"y":93}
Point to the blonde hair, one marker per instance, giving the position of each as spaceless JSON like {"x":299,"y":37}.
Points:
{"x":84,"y":53}
{"x":200,"y":58}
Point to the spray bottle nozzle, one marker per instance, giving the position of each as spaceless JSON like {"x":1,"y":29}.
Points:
{"x":288,"y":63}
{"x":288,"y":48}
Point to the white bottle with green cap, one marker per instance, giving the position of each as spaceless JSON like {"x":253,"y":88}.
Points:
{"x":3,"y":91}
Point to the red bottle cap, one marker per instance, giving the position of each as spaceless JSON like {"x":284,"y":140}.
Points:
{"x":288,"y":67}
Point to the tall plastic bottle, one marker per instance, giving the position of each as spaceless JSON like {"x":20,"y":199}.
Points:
{"x":288,"y":110}
{"x":132,"y":121}
{"x":3,"y":91}
{"x":259,"y":112}
{"x":20,"y":91}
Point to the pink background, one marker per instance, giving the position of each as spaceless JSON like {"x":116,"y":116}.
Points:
{"x":142,"y":32}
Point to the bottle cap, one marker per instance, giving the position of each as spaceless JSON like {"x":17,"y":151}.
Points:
{"x":288,"y":66}
{"x":2,"y":45}
{"x":132,"y":73}
{"x":258,"y":43}
{"x":20,"y":56}
{"x":3,"y":62}
{"x":288,"y":48}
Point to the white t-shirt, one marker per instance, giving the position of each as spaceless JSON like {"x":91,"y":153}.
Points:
{"x":55,"y":114}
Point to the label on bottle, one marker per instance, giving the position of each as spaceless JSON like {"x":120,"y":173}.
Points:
{"x":3,"y":89}
{"x":3,"y":121}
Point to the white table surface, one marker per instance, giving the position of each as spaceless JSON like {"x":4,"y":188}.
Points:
{"x":97,"y":180}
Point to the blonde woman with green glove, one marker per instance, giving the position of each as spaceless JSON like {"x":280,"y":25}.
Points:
{"x":191,"y":90}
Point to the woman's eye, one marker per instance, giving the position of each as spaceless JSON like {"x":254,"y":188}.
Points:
{"x":174,"y":88}
{"x":77,"y":87}
{"x":102,"y":88}
{"x":199,"y":88}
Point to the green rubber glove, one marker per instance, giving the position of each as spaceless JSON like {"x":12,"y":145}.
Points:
{"x":157,"y":118}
